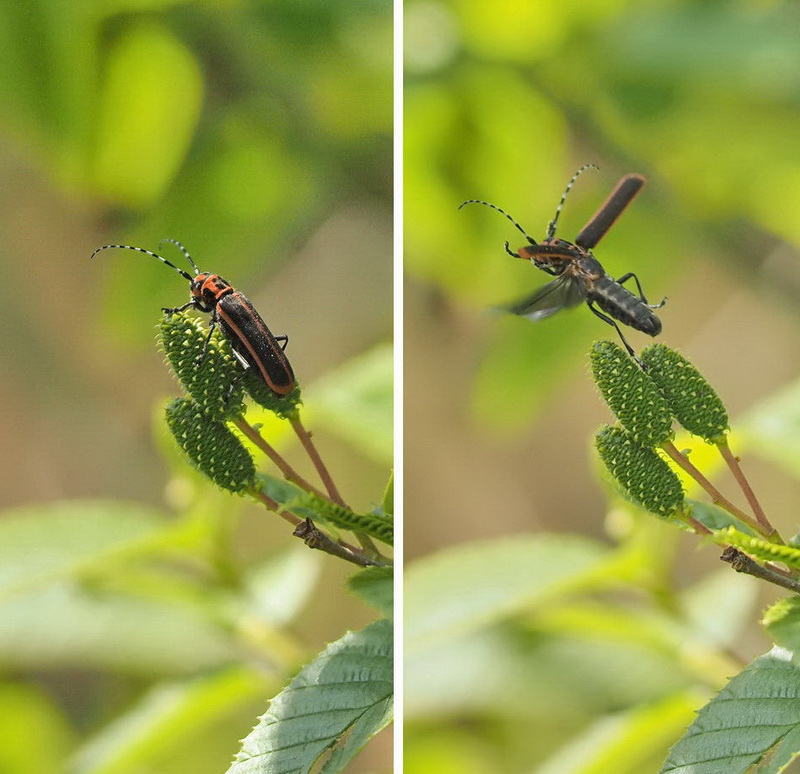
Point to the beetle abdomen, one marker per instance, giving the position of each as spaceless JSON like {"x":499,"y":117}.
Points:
{"x":622,"y":305}
{"x":254,"y":341}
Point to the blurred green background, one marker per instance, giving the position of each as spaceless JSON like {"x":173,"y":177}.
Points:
{"x":503,"y":102}
{"x":260,"y":135}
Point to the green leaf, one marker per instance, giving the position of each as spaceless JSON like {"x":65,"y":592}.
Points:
{"x":475,"y":584}
{"x":356,"y":401}
{"x":72,"y":625}
{"x":343,"y":697}
{"x":782,"y":622}
{"x":279,"y":587}
{"x":44,"y":543}
{"x":307,"y":505}
{"x":754,"y":720}
{"x":758,"y":548}
{"x":625,"y":743}
{"x":713,"y":517}
{"x":376,"y":525}
{"x":375,"y":586}
{"x":149,"y":107}
{"x":387,"y":504}
{"x":773,"y":428}
{"x":36,"y":736}
{"x":163,"y":719}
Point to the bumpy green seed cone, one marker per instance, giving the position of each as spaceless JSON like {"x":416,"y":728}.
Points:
{"x":284,"y":406}
{"x":211,"y":446}
{"x":640,"y":472}
{"x":692,"y":399}
{"x":633,"y":397}
{"x":216,"y":382}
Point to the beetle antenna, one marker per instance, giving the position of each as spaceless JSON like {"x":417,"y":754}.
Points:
{"x":184,"y":274}
{"x":495,"y":207}
{"x":185,"y":252}
{"x":551,"y":227}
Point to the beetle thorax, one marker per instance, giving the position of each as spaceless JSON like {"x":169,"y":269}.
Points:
{"x":209,"y":288}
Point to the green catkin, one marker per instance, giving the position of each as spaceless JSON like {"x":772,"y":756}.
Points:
{"x":211,"y":446}
{"x":760,"y":549}
{"x":693,"y":401}
{"x":215,"y":383}
{"x":375,"y":525}
{"x":631,"y":395}
{"x":641,"y":473}
{"x":285,"y":406}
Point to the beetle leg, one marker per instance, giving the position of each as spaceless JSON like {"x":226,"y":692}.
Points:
{"x":284,"y":339}
{"x":610,"y":321}
{"x":211,"y":327}
{"x":173,"y":310}
{"x":625,"y":277}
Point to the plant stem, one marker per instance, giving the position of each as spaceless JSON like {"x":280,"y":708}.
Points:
{"x":698,"y":526}
{"x":744,"y":485}
{"x":308,"y":444}
{"x":717,"y":497}
{"x":289,"y":473}
{"x":314,"y":537}
{"x":274,"y":506}
{"x":741,"y":562}
{"x":311,"y":450}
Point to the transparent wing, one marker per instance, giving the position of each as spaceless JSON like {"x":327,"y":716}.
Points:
{"x":561,"y":293}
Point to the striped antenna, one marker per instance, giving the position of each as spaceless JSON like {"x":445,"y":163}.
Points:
{"x":185,"y":252}
{"x":503,"y":212}
{"x":184,"y":274}
{"x":551,"y":227}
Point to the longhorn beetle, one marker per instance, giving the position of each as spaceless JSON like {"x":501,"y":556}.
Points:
{"x":579,"y":275}
{"x":253,"y":343}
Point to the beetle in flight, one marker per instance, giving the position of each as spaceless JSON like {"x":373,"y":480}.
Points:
{"x":579,"y":275}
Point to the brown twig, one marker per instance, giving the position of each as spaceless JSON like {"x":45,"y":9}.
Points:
{"x":717,"y":497}
{"x":741,"y":562}
{"x":313,"y":537}
{"x":308,"y":444}
{"x":744,"y":485}
{"x":311,"y":450}
{"x":289,"y":473}
{"x":273,"y":505}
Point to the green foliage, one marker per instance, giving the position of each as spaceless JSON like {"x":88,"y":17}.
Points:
{"x":754,"y":720}
{"x":27,"y":716}
{"x":531,"y":93}
{"x":631,"y":395}
{"x":374,"y":524}
{"x":141,"y":111}
{"x":641,"y":473}
{"x":161,"y":718}
{"x":470,"y":586}
{"x":260,"y":135}
{"x":375,"y":586}
{"x":356,"y":401}
{"x":333,"y":706}
{"x":761,"y":549}
{"x":540,"y":621}
{"x":782,"y":621}
{"x":693,"y":401}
